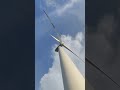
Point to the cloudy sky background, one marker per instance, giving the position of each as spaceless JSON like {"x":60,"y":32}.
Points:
{"x":69,"y":19}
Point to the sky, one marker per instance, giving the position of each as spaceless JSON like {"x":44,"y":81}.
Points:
{"x":69,"y":19}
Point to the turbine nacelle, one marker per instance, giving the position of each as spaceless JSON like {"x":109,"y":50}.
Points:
{"x":60,"y":42}
{"x":63,"y":45}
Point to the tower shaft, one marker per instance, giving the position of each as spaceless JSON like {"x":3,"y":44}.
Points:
{"x":72,"y":78}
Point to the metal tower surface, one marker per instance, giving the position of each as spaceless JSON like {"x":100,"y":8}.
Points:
{"x":72,"y":78}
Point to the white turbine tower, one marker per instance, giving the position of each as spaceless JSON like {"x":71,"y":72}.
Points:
{"x":72,"y":78}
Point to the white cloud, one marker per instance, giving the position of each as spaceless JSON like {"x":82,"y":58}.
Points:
{"x":51,"y":3}
{"x":53,"y":79}
{"x":67,"y":6}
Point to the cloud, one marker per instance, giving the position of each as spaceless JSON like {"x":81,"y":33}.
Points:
{"x":53,"y":79}
{"x":59,"y":7}
{"x":51,"y":3}
{"x":67,"y":6}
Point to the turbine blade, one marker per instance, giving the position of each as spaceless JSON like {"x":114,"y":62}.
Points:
{"x":55,"y":38}
{"x":58,"y":34}
{"x":49,"y":19}
{"x":73,"y":52}
{"x":95,"y":66}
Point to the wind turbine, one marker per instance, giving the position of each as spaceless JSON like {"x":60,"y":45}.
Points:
{"x":72,"y":78}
